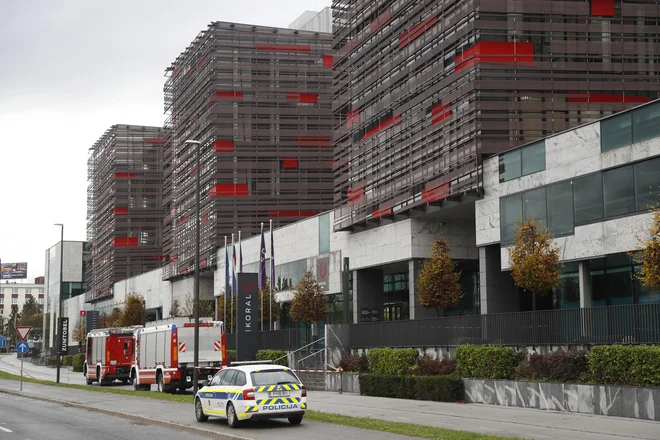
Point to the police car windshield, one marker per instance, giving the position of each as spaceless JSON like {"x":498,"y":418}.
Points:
{"x":272,"y":377}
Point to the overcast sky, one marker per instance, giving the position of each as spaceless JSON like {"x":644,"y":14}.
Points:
{"x":69,"y":69}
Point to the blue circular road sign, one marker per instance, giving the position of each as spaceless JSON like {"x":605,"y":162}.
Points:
{"x":22,"y":347}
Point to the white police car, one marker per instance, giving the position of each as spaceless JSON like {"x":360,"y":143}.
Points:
{"x":251,"y":391}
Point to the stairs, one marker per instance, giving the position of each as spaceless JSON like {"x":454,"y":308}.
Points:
{"x":313,"y":381}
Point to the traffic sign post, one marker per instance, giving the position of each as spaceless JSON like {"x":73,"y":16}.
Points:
{"x":22,"y":348}
{"x":3,"y":342}
{"x":23,"y":331}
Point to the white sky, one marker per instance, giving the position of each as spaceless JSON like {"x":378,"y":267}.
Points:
{"x":69,"y":69}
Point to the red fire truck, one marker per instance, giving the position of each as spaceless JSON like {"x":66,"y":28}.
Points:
{"x":164,"y":354}
{"x":109,"y":355}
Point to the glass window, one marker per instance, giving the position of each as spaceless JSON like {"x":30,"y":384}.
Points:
{"x":568,"y":290}
{"x":533,"y":158}
{"x":619,"y":191}
{"x":588,"y":197}
{"x":324,"y":233}
{"x":239,"y":379}
{"x":647,"y":182}
{"x":647,"y":122}
{"x":560,"y":208}
{"x":510,"y":212}
{"x":534,"y":205}
{"x":510,"y":166}
{"x":273,"y":377}
{"x":228,"y":377}
{"x":616,"y":132}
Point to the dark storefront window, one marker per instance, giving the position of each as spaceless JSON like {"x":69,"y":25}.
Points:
{"x":470,"y":303}
{"x":588,"y":198}
{"x":568,"y":290}
{"x":647,"y":181}
{"x":396,"y":297}
{"x":560,"y":208}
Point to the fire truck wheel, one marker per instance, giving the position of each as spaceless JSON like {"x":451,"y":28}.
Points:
{"x":89,"y":381}
{"x":199,"y":413}
{"x":161,"y":383}
{"x":232,"y":418}
{"x":136,"y":386}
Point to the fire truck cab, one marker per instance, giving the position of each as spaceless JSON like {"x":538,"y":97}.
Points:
{"x":109,"y":354}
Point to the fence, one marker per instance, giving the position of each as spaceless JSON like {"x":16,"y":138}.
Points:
{"x":287,"y":340}
{"x":629,"y":324}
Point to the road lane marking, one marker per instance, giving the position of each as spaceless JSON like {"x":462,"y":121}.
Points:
{"x":2,"y":428}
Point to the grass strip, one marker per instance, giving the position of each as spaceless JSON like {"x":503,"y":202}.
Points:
{"x":408,"y":429}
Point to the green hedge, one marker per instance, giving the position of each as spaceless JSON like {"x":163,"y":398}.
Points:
{"x":392,"y":361}
{"x":67,"y":361}
{"x":437,"y":388}
{"x":487,"y":362}
{"x":231,"y":356}
{"x":637,"y":365}
{"x":271,"y":355}
{"x":78,"y":362}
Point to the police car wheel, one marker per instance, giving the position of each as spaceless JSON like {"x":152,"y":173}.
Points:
{"x":199,"y":412}
{"x":232,"y":419}
{"x":296,"y":420}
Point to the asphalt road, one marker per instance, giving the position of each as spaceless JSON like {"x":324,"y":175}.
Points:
{"x":27,"y":419}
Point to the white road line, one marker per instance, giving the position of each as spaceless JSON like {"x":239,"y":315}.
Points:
{"x":2,"y":428}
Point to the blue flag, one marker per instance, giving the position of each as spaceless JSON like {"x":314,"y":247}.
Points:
{"x":262,"y":261}
{"x":226,"y":271}
{"x":233,"y":291}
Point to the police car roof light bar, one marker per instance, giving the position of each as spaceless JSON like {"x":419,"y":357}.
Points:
{"x":250,"y":363}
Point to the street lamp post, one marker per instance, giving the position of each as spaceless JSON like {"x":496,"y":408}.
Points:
{"x":198,"y":172}
{"x":59,"y":308}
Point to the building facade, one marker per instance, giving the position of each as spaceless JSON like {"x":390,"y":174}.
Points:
{"x":124,"y":206}
{"x":14,"y":296}
{"x":424,"y":87}
{"x":72,"y":282}
{"x":258,"y":99}
{"x":592,"y":187}
{"x":320,"y":21}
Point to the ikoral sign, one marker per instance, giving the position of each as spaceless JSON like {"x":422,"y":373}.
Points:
{"x":247,"y":308}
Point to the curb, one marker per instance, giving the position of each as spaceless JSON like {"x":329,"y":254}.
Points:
{"x":178,"y":426}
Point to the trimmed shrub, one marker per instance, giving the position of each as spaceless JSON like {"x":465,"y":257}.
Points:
{"x":392,"y":361}
{"x":555,"y":367}
{"x":67,"y":361}
{"x":625,"y":365}
{"x":487,"y":362}
{"x":271,"y":355}
{"x":357,"y":363}
{"x":78,"y":362}
{"x":428,"y":366}
{"x":437,"y":388}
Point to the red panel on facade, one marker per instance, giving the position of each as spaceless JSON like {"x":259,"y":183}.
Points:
{"x":290,"y":162}
{"x":289,"y":213}
{"x":415,"y":31}
{"x":605,"y":97}
{"x":227,"y":96}
{"x":378,"y":213}
{"x":119,"y":175}
{"x":603,"y":8}
{"x":120,"y":210}
{"x":158,"y":141}
{"x":223,"y":146}
{"x":296,"y":48}
{"x":302,"y":97}
{"x":328,"y":61}
{"x":314,"y":141}
{"x":439,"y":113}
{"x":496,"y":52}
{"x":352,"y":118}
{"x":41,"y":295}
{"x":230,"y":190}
{"x":435,"y":194}
{"x":355,"y":195}
{"x":390,"y":122}
{"x":125,"y":241}
{"x":201,"y":61}
{"x":380,"y":21}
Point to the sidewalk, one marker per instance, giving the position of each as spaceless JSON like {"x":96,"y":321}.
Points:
{"x":485,"y":419}
{"x":10,"y":363}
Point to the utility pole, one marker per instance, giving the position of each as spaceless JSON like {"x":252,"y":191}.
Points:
{"x":60,"y":302}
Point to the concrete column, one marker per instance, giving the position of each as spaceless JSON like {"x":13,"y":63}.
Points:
{"x":584,"y":268}
{"x":356,"y":311}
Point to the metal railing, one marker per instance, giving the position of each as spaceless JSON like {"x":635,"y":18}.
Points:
{"x":629,"y":324}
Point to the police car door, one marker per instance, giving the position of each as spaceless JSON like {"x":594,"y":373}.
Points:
{"x":210,"y":394}
{"x":225,"y":385}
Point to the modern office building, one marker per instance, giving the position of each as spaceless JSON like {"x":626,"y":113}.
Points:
{"x":423,"y":88}
{"x":124,"y":206}
{"x":592,"y":187}
{"x":258,"y":99}
{"x":14,"y":295}
{"x":320,"y":21}
{"x":73,"y":269}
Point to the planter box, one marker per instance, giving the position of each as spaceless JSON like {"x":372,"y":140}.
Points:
{"x":350,"y":382}
{"x":606,"y":400}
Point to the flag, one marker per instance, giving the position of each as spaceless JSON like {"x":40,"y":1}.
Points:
{"x":262,"y":261}
{"x":240,"y":253}
{"x":233,"y":245}
{"x":226,"y":269}
{"x":272,"y":273}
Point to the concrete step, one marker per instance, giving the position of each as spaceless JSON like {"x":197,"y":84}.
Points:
{"x":313,"y":381}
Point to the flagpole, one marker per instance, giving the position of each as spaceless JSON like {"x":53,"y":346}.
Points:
{"x":260,"y":266}
{"x":233,"y":274}
{"x":272,"y":274}
{"x":224,"y":307}
{"x":240,"y":254}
